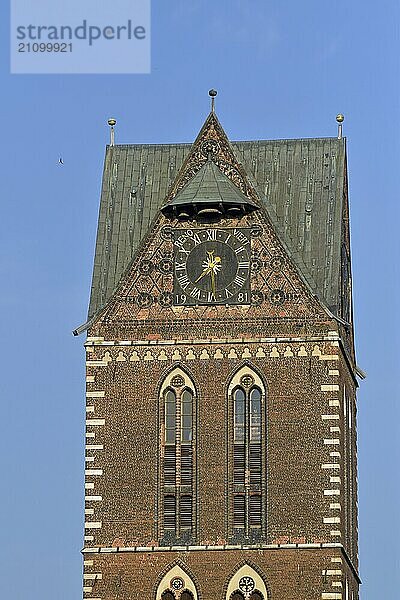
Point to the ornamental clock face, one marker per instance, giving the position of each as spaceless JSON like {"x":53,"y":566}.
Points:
{"x":212,"y":266}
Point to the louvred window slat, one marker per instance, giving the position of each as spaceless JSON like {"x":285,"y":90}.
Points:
{"x":186,"y":464}
{"x":169,"y":512}
{"x":186,"y":512}
{"x":239,"y":504}
{"x":255,"y":511}
{"x":239,"y":464}
{"x":255,"y":463}
{"x":169,"y":465}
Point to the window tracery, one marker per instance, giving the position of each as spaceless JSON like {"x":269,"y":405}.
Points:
{"x":176,"y":584}
{"x":246,"y":584}
{"x":247,"y":460}
{"x":177,"y":457}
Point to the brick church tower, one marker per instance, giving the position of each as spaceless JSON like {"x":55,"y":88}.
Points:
{"x":221,"y":376}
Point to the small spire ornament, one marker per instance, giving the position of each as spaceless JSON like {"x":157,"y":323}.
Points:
{"x":340,"y":119}
{"x":212,"y":93}
{"x":112,"y":123}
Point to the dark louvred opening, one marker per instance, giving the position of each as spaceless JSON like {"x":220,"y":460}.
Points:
{"x":255,"y":463}
{"x":186,"y":464}
{"x":239,"y":464}
{"x":239,"y":504}
{"x":186,"y":512}
{"x":255,"y":511}
{"x":169,"y":465}
{"x":169,"y":512}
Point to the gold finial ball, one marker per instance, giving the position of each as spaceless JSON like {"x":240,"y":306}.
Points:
{"x":340,"y":118}
{"x":212,"y":93}
{"x":112,"y":122}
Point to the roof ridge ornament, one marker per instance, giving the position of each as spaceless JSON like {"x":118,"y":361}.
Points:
{"x":212,"y":93}
{"x":340,"y":119}
{"x":112,"y":123}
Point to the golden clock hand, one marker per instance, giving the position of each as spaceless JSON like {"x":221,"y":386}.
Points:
{"x":216,"y":264}
{"x":204,"y":273}
{"x":213,"y":290}
{"x":212,"y":262}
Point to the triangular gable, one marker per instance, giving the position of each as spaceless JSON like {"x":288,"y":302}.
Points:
{"x":212,"y":143}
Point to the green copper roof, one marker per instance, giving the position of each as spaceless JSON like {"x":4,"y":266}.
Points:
{"x":210,"y":187}
{"x":301,"y":183}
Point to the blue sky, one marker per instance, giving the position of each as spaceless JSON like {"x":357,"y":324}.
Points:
{"x":283,"y":69}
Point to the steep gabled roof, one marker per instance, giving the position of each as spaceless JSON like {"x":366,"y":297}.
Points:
{"x":300,"y":182}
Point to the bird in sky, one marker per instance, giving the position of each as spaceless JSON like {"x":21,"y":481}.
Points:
{"x":60,"y":160}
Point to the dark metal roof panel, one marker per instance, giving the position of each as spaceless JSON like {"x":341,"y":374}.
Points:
{"x":209,"y":185}
{"x":300,"y":181}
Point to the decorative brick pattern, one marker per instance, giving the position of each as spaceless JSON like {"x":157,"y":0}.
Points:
{"x":215,"y":573}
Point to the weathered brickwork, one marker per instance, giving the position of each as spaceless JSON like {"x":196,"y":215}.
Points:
{"x":305,"y":479}
{"x":288,"y":574}
{"x":302,"y":542}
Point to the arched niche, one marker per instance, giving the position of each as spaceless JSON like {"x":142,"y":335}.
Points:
{"x":176,"y":580}
{"x":243,"y":576}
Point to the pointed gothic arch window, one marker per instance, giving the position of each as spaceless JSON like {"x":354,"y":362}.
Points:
{"x":246,"y":584}
{"x":247,"y":455}
{"x":177,"y":458}
{"x":176,"y":584}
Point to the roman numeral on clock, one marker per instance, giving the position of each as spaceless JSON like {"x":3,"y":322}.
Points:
{"x":195,"y":293}
{"x":183,"y":281}
{"x":239,"y":280}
